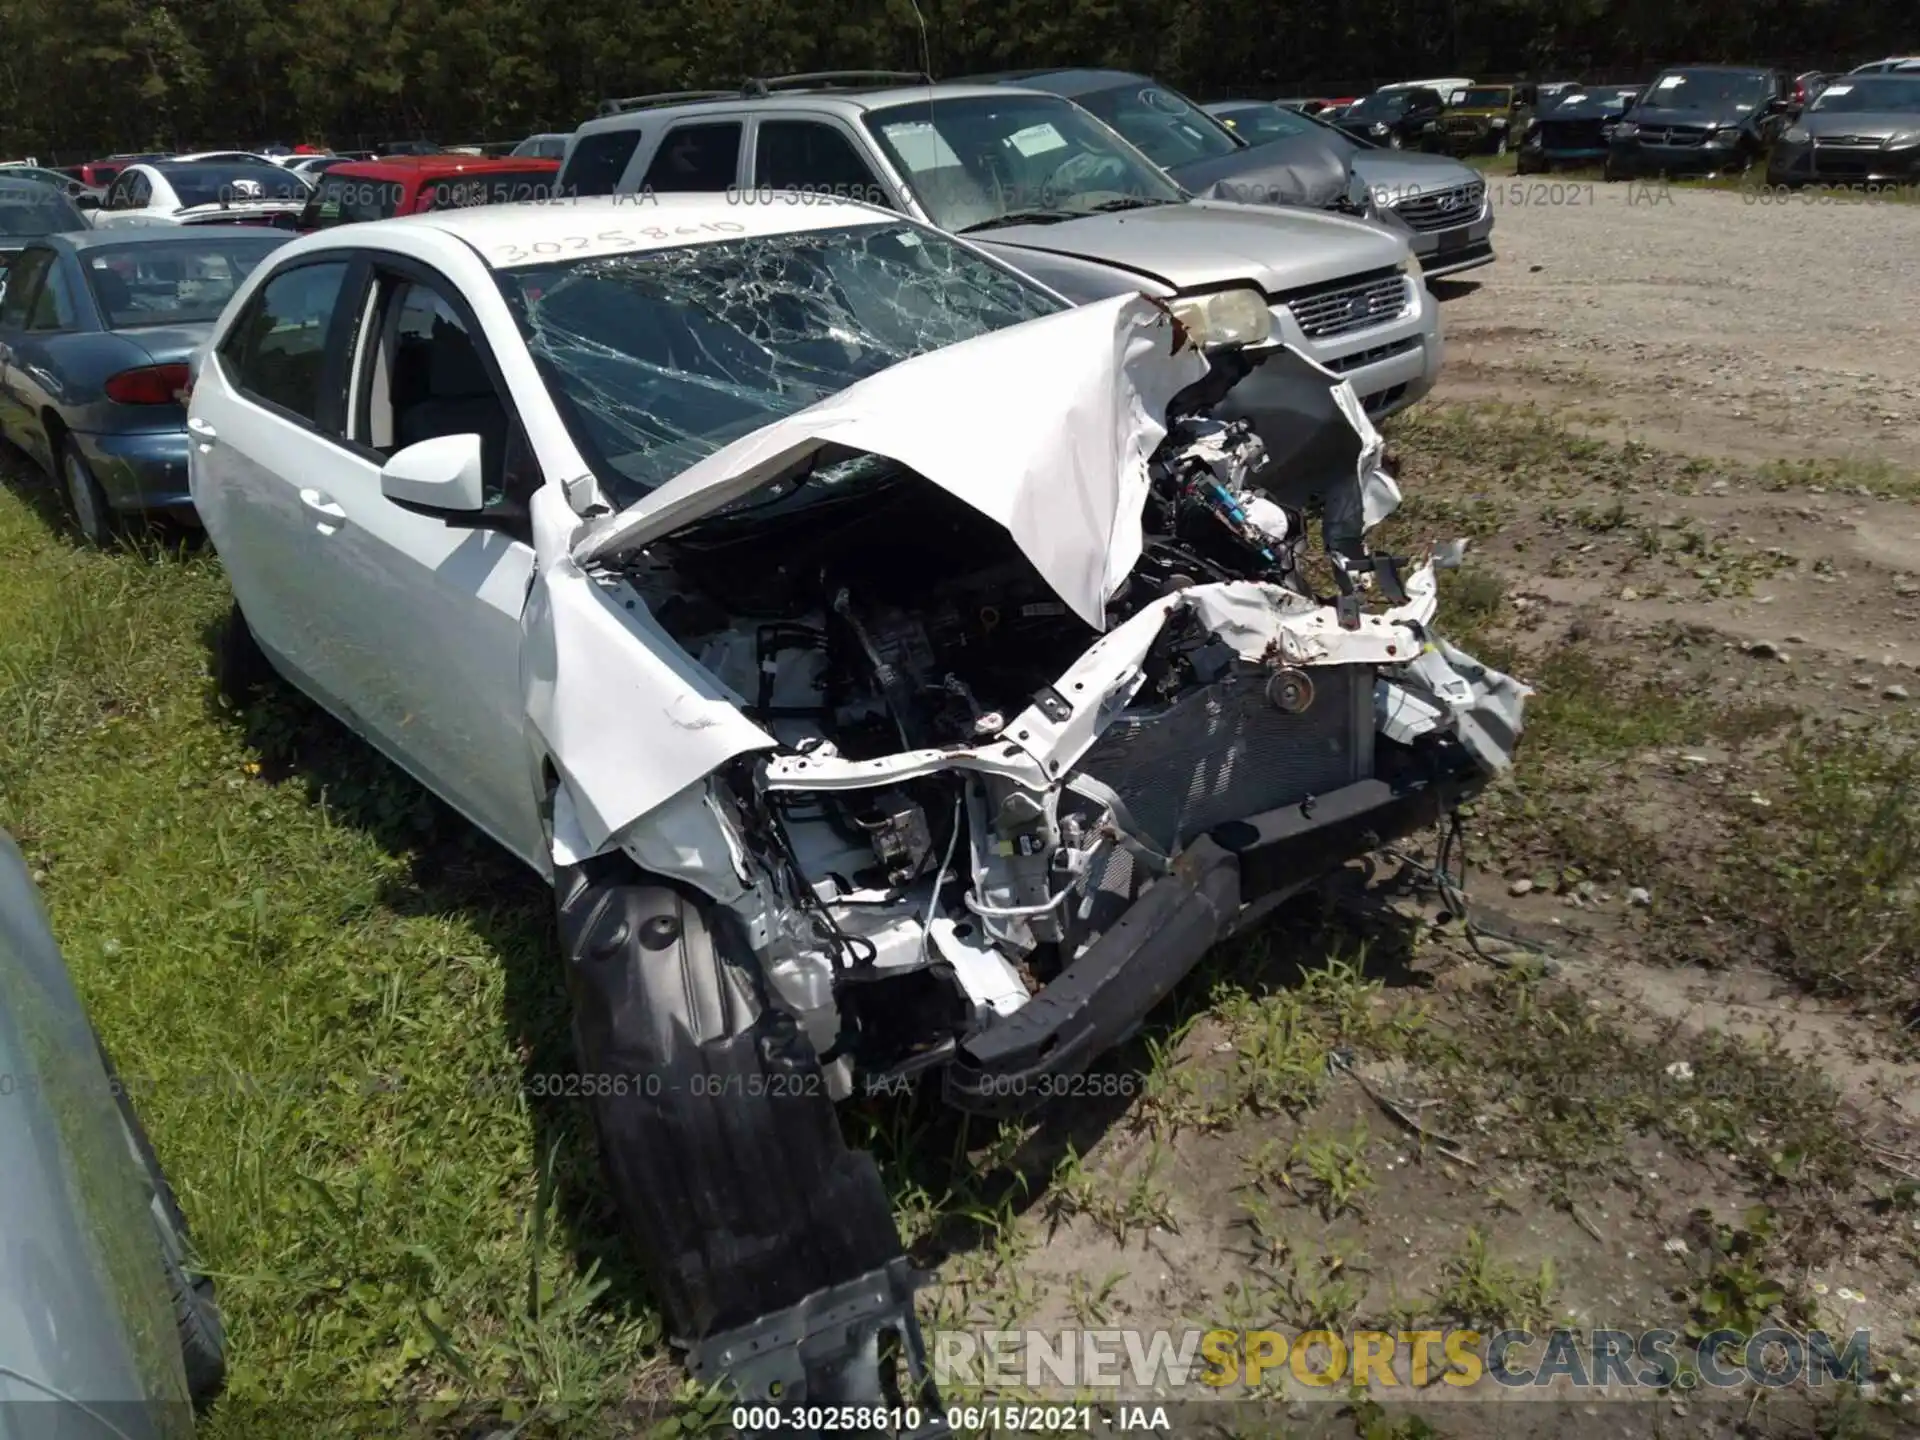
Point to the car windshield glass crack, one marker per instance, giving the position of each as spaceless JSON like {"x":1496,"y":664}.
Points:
{"x":660,"y":357}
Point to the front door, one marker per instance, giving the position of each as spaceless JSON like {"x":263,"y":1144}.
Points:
{"x":422,"y":625}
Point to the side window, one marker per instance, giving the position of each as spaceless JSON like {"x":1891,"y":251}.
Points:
{"x":599,"y":160}
{"x":117,"y":196}
{"x":23,"y":288}
{"x":277,"y":350}
{"x":810,"y":156}
{"x":423,"y":377}
{"x":53,"y":306}
{"x":139,"y":192}
{"x":696,"y":157}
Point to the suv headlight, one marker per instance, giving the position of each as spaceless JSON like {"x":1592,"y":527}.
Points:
{"x":1226,"y":317}
{"x":1723,"y":134}
{"x":1625,"y":130}
{"x":1796,"y":135}
{"x":1377,"y":128}
{"x":1900,"y":139}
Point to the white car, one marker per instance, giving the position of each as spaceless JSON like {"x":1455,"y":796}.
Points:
{"x":231,"y":157}
{"x":897,"y":670}
{"x":200,"y":192}
{"x":1892,"y":65}
{"x":1446,"y":84}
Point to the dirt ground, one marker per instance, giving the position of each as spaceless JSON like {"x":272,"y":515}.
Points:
{"x":1670,"y":1078}
{"x":1710,"y":322}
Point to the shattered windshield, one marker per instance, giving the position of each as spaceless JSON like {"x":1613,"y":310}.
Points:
{"x":987,"y":160}
{"x":1880,"y":93}
{"x":660,"y":357}
{"x":1170,"y":128}
{"x":1708,"y":89}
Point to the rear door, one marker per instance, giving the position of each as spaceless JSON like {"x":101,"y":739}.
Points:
{"x":24,"y":278}
{"x":268,"y":408}
{"x":34,"y":376}
{"x":701,"y":154}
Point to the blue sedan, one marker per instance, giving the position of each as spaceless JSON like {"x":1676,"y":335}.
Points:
{"x":97,"y":334}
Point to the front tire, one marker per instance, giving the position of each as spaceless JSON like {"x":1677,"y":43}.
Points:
{"x":86,"y":501}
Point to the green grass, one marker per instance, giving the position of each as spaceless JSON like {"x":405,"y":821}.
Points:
{"x":328,"y":994}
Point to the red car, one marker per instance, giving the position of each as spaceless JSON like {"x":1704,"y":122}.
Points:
{"x":410,"y":184}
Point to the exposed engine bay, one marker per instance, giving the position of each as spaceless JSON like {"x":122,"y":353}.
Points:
{"x":938,"y":729}
{"x":865,"y":616}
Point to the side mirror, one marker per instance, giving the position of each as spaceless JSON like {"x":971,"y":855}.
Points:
{"x":440,"y":477}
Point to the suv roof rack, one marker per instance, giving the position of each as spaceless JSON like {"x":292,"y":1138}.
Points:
{"x":835,"y":80}
{"x":622,"y":104}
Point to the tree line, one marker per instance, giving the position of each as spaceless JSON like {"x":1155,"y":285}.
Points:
{"x":87,"y":77}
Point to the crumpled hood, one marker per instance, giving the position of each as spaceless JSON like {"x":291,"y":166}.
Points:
{"x":1395,"y":175}
{"x":1295,"y":170}
{"x":1044,"y":427}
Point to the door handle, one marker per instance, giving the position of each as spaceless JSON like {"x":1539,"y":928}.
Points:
{"x":322,"y":504}
{"x":330,"y":516}
{"x":202,"y":431}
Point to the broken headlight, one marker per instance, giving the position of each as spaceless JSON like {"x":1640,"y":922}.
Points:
{"x":1226,"y":317}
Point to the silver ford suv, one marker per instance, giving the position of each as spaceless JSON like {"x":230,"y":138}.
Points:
{"x":1044,"y":185}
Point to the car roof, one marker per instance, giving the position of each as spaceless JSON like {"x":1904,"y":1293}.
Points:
{"x":652,"y":222}
{"x":1722,"y":69}
{"x":841,"y":100}
{"x":81,"y":240}
{"x":417,"y":167}
{"x":1068,"y":80}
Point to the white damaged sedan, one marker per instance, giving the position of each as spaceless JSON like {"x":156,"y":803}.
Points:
{"x":898,"y":672}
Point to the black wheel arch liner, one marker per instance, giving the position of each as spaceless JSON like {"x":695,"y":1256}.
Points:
{"x":770,"y":1244}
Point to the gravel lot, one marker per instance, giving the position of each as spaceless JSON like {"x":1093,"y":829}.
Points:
{"x":1733,"y":324}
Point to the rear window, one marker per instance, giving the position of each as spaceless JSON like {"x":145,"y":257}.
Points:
{"x":494,"y":187}
{"x":173,"y":282}
{"x":29,"y":210}
{"x":232,"y":184}
{"x":599,"y":160}
{"x":348,"y":200}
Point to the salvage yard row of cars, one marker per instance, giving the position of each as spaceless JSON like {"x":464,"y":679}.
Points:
{"x":871,"y":725}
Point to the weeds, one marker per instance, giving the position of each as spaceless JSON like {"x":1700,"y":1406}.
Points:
{"x":1482,"y":1292}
